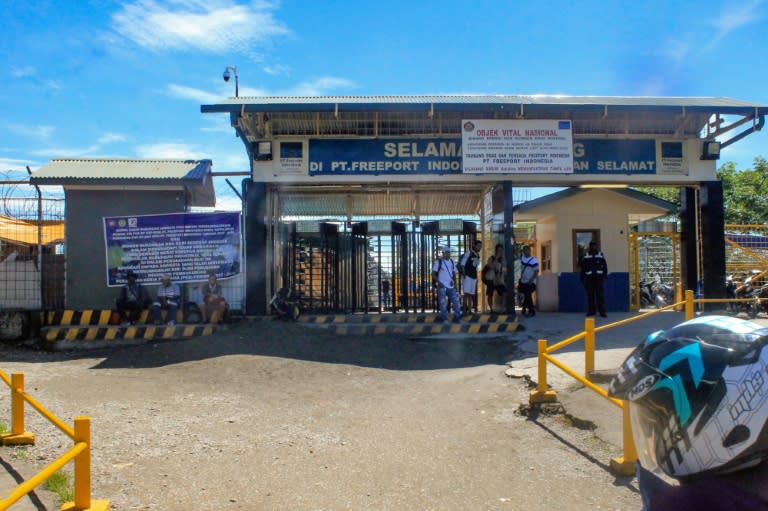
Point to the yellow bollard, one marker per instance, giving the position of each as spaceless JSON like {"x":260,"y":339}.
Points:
{"x":589,"y":347}
{"x":625,"y":465}
{"x":688,"y":304}
{"x":542,"y":394}
{"x":17,"y":436}
{"x":17,"y":403}
{"x":83,"y":500}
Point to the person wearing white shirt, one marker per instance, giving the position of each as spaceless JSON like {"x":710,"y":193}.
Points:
{"x":443,"y":271}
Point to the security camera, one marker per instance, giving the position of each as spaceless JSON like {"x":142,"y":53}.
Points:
{"x":226,"y":75}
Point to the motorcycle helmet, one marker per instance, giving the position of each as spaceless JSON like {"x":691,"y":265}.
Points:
{"x":698,"y":397}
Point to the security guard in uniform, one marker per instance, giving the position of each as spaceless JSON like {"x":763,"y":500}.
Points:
{"x":594,"y":271}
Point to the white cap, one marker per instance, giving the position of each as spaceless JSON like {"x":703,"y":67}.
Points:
{"x":446,"y":248}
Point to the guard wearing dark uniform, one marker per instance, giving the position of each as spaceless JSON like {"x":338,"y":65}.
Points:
{"x":594,"y":271}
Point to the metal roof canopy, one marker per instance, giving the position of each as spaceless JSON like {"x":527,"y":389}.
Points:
{"x":349,"y":201}
{"x":193,"y":175}
{"x":263,"y":117}
{"x":258,"y":118}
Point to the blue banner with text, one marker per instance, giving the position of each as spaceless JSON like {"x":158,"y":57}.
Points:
{"x":443,"y":156}
{"x":186,"y":246}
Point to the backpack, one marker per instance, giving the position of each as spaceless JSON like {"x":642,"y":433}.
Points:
{"x":440,"y":267}
{"x":192,"y":313}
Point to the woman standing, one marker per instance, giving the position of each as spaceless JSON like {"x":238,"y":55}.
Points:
{"x":493,"y":275}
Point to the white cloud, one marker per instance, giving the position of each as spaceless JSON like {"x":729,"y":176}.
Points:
{"x":677,"y":49}
{"x":110,"y":137}
{"x":184,"y":92}
{"x":41,"y":132}
{"x":231,"y":162}
{"x":66,"y":152}
{"x":53,"y":84}
{"x":168,"y":150}
{"x":217,"y":124}
{"x":15,"y":165}
{"x":215,"y":25}
{"x":23,"y":72}
{"x":278,"y":69}
{"x":320,"y":87}
{"x":737,"y":15}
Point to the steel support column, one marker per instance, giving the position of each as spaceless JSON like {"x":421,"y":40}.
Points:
{"x":713,"y":238}
{"x":255,"y":195}
{"x":688,"y":235}
{"x":509,"y":250}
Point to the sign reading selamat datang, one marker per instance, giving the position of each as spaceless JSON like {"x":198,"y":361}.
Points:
{"x":186,"y":246}
{"x":517,"y":147}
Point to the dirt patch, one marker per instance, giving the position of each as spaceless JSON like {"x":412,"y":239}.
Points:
{"x":279,"y":416}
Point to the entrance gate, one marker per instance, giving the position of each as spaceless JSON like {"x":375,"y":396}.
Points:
{"x":342,"y":267}
{"x":654,"y":259}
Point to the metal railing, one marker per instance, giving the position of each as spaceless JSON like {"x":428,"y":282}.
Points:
{"x":80,"y":451}
{"x":623,"y":465}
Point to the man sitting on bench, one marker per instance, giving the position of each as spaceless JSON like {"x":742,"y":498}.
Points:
{"x":133,"y":299}
{"x":168,"y":298}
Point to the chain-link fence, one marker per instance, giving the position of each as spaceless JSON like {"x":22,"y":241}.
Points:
{"x":31,"y":247}
{"x":746,"y":249}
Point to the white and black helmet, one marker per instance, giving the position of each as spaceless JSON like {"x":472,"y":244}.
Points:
{"x":698,"y":396}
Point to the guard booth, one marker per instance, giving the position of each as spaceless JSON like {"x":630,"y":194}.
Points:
{"x":343,"y":189}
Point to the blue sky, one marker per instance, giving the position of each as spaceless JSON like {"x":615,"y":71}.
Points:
{"x":108,"y":78}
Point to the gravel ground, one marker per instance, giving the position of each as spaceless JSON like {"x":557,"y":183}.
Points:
{"x":282,"y":416}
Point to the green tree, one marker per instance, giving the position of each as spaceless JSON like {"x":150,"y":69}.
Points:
{"x":745,"y":192}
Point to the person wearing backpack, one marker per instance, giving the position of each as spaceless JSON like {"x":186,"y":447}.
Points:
{"x":443,"y":271}
{"x":468,"y":266}
{"x":529,"y":273}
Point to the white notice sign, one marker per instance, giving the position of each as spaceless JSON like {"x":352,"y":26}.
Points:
{"x":539,"y":146}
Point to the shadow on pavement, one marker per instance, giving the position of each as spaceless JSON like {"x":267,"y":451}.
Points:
{"x":302,"y":342}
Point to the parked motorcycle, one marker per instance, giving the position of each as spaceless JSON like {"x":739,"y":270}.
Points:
{"x":285,"y":304}
{"x":655,"y":293}
{"x":665,"y":294}
{"x":646,"y":294}
{"x":748,"y":294}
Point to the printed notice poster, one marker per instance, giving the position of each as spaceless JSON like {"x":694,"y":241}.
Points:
{"x":538,"y":146}
{"x":292,"y":158}
{"x":186,"y":246}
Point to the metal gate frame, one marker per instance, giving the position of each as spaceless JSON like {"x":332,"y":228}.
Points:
{"x":338,"y":267}
{"x":672,"y":270}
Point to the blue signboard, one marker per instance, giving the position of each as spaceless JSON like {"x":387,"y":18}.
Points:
{"x":385,"y":156}
{"x":186,"y":246}
{"x":443,"y":156}
{"x":591,"y":156}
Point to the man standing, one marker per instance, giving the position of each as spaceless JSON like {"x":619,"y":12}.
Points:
{"x":594,"y":271}
{"x":385,"y":291}
{"x":468,"y":266}
{"x":527,"y":285}
{"x":443,"y":270}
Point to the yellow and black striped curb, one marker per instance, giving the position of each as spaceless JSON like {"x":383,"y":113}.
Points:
{"x":114,"y":333}
{"x":393,"y":319}
{"x":80,"y":317}
{"x":416,"y":329}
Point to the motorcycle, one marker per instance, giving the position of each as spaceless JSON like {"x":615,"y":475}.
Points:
{"x":285,"y":304}
{"x":655,"y":293}
{"x":646,"y":294}
{"x":665,"y":294}
{"x":749,"y":296}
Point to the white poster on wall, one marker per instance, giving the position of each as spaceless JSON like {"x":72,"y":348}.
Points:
{"x":538,"y":146}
